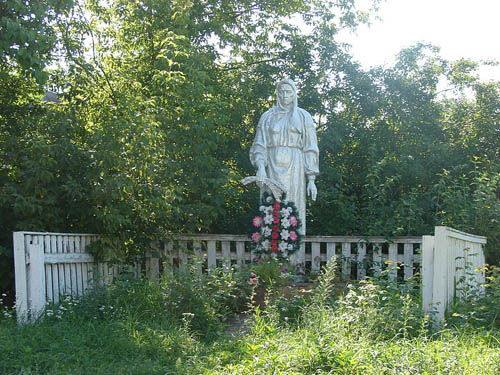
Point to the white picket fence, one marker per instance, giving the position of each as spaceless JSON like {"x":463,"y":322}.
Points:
{"x":50,"y":265}
{"x":359,"y":256}
{"x":453,"y":263}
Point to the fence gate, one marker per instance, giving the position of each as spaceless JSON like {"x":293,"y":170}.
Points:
{"x":50,"y":265}
{"x":452,"y":262}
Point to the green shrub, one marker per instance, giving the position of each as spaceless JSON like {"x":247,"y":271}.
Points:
{"x":480,"y":307}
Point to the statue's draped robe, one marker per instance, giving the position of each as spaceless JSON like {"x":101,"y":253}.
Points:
{"x":286,"y":142}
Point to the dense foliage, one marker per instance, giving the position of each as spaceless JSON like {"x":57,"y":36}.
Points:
{"x":157,"y":105}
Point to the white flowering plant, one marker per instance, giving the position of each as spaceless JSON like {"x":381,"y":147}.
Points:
{"x":275,"y":229}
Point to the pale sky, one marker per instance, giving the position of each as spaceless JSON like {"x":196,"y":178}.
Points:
{"x":461,"y":28}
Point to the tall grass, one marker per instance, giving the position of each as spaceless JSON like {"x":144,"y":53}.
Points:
{"x":179,"y":326}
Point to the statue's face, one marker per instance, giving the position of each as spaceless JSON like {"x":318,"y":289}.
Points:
{"x":286,"y":94}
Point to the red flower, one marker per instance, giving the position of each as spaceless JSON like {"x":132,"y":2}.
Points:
{"x":275,"y":235}
{"x":274,"y":249}
{"x":276,"y":213}
{"x":276,"y":220}
{"x":276,"y":206}
{"x":274,"y":243}
{"x":276,"y":228}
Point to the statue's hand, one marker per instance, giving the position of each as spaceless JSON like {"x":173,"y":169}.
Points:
{"x":261,"y":174}
{"x":311,"y":190}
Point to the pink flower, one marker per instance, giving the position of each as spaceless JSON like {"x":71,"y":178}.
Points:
{"x":293,"y":235}
{"x":293,"y":221}
{"x":256,"y":237}
{"x":276,"y":220}
{"x":257,"y":221}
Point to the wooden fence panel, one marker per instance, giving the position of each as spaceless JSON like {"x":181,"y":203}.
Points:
{"x":454,"y":255}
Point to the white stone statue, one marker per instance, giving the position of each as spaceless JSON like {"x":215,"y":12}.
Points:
{"x":285,"y":148}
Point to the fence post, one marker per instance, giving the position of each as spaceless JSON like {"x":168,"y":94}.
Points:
{"x":427,"y":272}
{"x":20,"y":277}
{"x":440,"y":274}
{"x":36,"y":279}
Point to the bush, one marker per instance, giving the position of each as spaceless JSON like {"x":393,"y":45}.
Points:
{"x":480,"y":308}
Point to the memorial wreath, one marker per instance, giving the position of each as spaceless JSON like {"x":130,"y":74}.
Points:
{"x":275,"y":229}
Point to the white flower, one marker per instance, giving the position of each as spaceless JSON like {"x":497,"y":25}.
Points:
{"x":262,"y":208}
{"x":269,"y":199}
{"x":289,"y":209}
{"x":282,"y":246}
{"x":284,"y":212}
{"x":269,"y":210}
{"x":284,"y":235}
{"x":265,"y":244}
{"x":268,"y":219}
{"x":266,"y":231}
{"x":289,"y":246}
{"x":285,"y":223}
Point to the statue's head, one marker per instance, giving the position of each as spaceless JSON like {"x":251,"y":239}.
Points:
{"x":286,"y":92}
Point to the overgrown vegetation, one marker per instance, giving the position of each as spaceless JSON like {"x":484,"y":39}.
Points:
{"x":179,"y":326}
